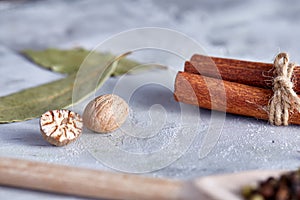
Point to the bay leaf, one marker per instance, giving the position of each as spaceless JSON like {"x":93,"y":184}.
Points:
{"x":69,"y":61}
{"x":31,"y":103}
{"x":62,"y":61}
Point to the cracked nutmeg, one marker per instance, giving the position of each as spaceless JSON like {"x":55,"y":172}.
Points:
{"x":60,"y":127}
{"x":105,"y":113}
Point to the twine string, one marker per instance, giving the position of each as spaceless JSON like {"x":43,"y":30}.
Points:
{"x":284,"y":98}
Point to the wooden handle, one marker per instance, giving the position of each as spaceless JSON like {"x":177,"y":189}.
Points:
{"x":85,"y":182}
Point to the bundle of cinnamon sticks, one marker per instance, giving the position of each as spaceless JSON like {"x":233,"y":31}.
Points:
{"x":229,"y":85}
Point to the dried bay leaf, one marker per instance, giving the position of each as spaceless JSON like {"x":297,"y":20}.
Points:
{"x":31,"y":103}
{"x":69,"y":61}
{"x":62,"y":61}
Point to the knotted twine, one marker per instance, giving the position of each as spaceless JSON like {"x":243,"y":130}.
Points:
{"x":284,"y":98}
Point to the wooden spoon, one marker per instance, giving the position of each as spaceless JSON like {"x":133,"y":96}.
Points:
{"x":103,"y":184}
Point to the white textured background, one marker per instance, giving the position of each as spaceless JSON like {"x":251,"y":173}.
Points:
{"x":254,"y":30}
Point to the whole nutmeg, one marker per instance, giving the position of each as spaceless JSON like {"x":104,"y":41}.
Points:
{"x":105,"y":113}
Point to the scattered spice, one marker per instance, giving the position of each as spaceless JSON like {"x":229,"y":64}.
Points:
{"x":286,"y":187}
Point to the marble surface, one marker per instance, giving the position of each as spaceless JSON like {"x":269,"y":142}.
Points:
{"x":254,"y":30}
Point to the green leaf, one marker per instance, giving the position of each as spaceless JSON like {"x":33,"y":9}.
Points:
{"x":33,"y":102}
{"x":62,"y":61}
{"x":69,"y":61}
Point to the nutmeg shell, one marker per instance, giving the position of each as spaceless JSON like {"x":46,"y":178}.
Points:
{"x":60,"y":127}
{"x":105,"y":113}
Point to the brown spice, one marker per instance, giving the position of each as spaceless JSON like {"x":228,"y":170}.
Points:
{"x":285,"y":187}
{"x":105,"y":113}
{"x":246,"y":72}
{"x":240,"y":99}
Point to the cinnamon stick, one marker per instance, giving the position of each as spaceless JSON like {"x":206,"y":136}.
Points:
{"x":240,"y":99}
{"x":246,"y":72}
